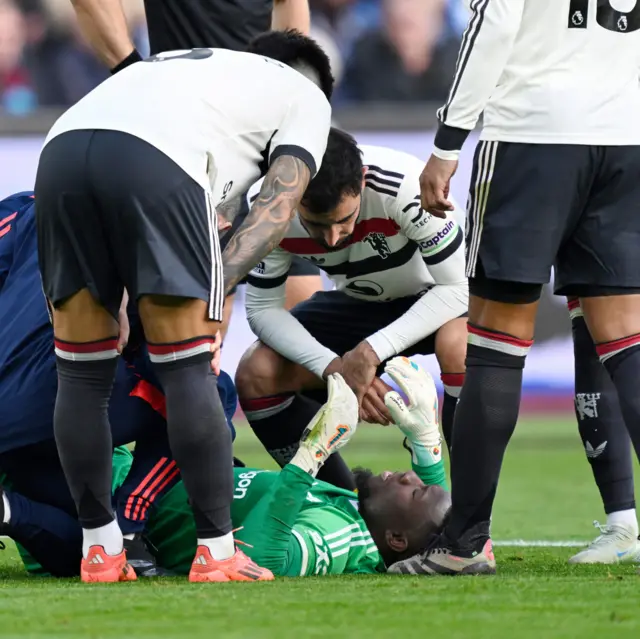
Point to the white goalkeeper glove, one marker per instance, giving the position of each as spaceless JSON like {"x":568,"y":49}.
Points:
{"x":419,"y":419}
{"x":330,"y":429}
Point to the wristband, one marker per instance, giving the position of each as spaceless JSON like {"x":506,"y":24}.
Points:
{"x":132,"y":58}
{"x":451,"y":156}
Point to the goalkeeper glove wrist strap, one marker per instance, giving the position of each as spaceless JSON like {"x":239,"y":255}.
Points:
{"x":132,"y":58}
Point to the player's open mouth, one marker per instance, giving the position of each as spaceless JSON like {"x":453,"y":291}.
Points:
{"x":386,"y":474}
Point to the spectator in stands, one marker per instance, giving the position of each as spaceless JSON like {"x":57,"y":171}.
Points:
{"x":17,"y":95}
{"x":410,"y":58}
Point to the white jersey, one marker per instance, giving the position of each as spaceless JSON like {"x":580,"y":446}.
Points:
{"x":549,"y":71}
{"x":222,"y":116}
{"x":397,"y":250}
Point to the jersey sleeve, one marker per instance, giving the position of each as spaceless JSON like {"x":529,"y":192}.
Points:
{"x":305,"y":129}
{"x":484,"y":51}
{"x":441,"y":243}
{"x":272,"y":323}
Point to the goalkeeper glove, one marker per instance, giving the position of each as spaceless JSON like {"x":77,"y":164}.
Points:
{"x":418,"y":420}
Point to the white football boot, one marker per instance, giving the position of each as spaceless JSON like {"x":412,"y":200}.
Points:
{"x":616,"y":543}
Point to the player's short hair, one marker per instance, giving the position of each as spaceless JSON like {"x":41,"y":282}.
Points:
{"x":294,"y":49}
{"x":339,"y":175}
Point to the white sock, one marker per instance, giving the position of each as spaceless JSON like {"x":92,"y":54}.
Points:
{"x":624,"y":517}
{"x":109,"y":537}
{"x":221,"y":548}
{"x":7,"y":510}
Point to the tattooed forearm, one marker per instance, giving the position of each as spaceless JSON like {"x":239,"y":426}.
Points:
{"x":268,"y":219}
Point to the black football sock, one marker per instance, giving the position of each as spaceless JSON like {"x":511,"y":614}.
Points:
{"x":622,"y":360}
{"x":81,"y":425}
{"x":602,"y":428}
{"x":199,"y":436}
{"x":452,"y":383}
{"x":278,"y":422}
{"x":485,"y":419}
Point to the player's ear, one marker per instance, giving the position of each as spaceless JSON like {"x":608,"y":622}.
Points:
{"x":396,"y":541}
{"x":364,"y":172}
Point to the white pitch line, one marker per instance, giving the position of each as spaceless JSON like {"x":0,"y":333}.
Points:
{"x":539,"y":543}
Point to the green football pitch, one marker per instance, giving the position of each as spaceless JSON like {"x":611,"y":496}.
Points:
{"x":546,"y":501}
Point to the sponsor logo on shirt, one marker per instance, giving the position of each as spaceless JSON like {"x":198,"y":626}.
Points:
{"x":259,"y":268}
{"x":436,"y":239}
{"x":244,"y":481}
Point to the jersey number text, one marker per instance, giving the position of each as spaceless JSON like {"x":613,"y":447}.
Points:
{"x":606,"y":16}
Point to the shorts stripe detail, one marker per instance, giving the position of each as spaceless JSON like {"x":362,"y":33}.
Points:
{"x":607,"y":350}
{"x":87,"y":351}
{"x":137,"y":491}
{"x":478,"y":198}
{"x":150,"y":487}
{"x":160,"y":353}
{"x":6,"y":220}
{"x":216,"y":294}
{"x":500,"y":342}
{"x":478,"y":8}
{"x":264,"y":407}
{"x":452,"y":383}
{"x":158,"y":490}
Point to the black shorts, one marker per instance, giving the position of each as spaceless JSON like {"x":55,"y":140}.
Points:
{"x":340,"y":322}
{"x":113,"y":212}
{"x":573,"y":207}
{"x":299,"y":266}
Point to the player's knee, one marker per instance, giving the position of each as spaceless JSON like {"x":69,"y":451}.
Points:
{"x":505,"y":307}
{"x":261,"y":372}
{"x":612,"y":314}
{"x":451,"y":346}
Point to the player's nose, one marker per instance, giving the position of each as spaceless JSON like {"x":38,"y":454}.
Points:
{"x":332,"y":236}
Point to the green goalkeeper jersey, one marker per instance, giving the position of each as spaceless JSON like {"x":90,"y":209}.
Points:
{"x":328,"y":535}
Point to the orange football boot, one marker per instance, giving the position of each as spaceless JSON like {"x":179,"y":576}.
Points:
{"x":99,"y":567}
{"x":237,"y":568}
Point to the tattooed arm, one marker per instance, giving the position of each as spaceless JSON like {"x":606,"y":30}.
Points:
{"x":268,"y":219}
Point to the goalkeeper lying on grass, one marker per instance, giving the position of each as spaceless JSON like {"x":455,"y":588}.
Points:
{"x":297,"y":526}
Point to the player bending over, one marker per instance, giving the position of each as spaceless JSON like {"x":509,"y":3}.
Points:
{"x":608,"y":447}
{"x":127,"y":185}
{"x":295,"y":525}
{"x":400,"y":289}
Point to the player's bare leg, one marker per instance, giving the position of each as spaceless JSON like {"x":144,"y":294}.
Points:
{"x":300,"y":288}
{"x":86,"y":341}
{"x":269,"y":389}
{"x":180,"y":339}
{"x":451,"y":352}
{"x":500,"y":336}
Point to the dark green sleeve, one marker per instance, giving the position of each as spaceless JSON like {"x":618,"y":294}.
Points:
{"x":435,"y":475}
{"x":267,"y":529}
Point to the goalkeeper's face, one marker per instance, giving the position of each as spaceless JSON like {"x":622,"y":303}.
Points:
{"x":401,"y":511}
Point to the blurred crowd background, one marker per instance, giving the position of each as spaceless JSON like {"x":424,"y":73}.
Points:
{"x":381,"y":50}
